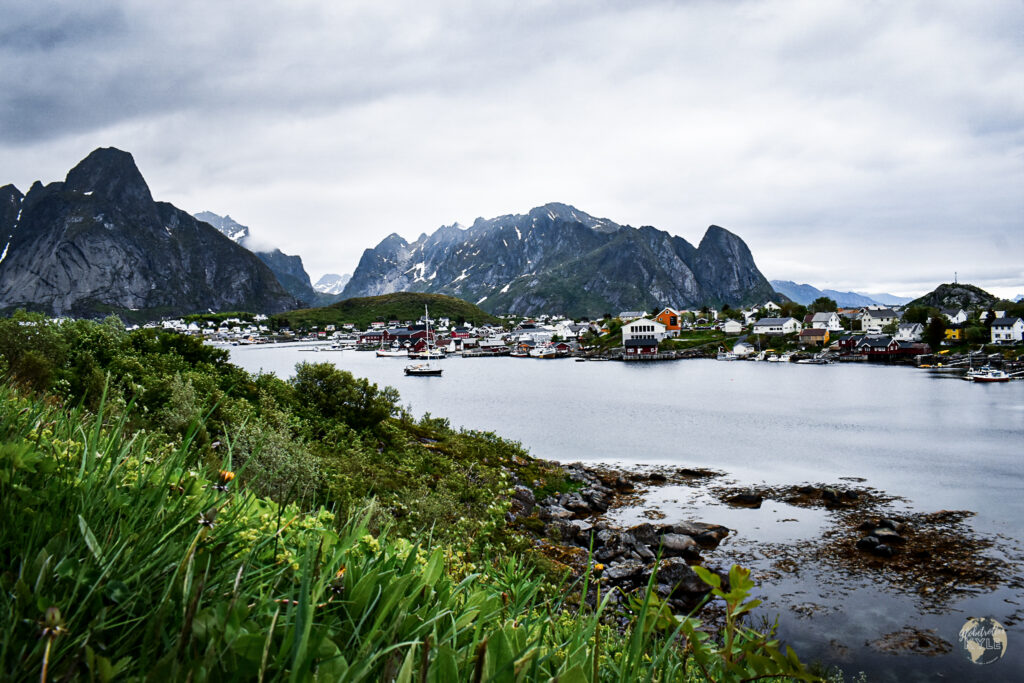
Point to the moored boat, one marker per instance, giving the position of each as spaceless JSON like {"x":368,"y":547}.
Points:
{"x":426,"y":369}
{"x":987,"y":373}
{"x":724,"y":354}
{"x":423,"y":370}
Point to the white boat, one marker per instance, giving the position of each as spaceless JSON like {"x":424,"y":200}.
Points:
{"x":429,"y":353}
{"x":426,"y":369}
{"x":987,"y":373}
{"x":724,"y":354}
{"x":544,"y":352}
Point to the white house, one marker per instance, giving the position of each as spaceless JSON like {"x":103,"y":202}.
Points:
{"x":909,"y":332}
{"x":743,"y":349}
{"x":643,"y":329}
{"x":732,"y":327}
{"x":1007,"y":329}
{"x":777,"y":326}
{"x":826,"y":321}
{"x":955,"y":316}
{"x":771,"y":306}
{"x":873,"y":320}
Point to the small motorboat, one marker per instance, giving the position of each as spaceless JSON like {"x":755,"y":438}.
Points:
{"x":987,"y":373}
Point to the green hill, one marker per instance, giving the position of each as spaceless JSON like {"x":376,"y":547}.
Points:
{"x":398,"y":306}
{"x":957,"y":295}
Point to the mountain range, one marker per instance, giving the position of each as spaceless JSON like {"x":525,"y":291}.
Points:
{"x":558,"y":259}
{"x":332,"y":283}
{"x":806,"y":294}
{"x":287,"y":268}
{"x":98,"y":243}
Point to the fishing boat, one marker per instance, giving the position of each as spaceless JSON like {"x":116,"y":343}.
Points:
{"x":724,"y":354}
{"x":544,"y":352}
{"x":987,"y":373}
{"x":425,"y":369}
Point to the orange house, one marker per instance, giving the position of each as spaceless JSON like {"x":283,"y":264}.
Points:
{"x":671,"y":320}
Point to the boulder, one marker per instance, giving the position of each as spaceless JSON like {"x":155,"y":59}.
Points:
{"x":645,"y":533}
{"x":524,"y":495}
{"x":888,"y":523}
{"x":575,"y":502}
{"x":623,"y":571}
{"x":580,"y":528}
{"x":749,"y":500}
{"x":708,"y":535}
{"x":883,"y":550}
{"x":554,"y":512}
{"x":868,"y":543}
{"x":887,"y":535}
{"x":679,"y":544}
{"x":677,"y":573}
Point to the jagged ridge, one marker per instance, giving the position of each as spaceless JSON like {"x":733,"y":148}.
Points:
{"x":98,"y":243}
{"x":557,"y":258}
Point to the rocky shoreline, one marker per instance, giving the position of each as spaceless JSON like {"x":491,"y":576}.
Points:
{"x":934,"y":555}
{"x":574,"y":533}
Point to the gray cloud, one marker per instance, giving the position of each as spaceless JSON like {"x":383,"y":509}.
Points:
{"x":855,"y":143}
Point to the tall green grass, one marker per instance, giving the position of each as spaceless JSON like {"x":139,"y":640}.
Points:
{"x":124,"y":558}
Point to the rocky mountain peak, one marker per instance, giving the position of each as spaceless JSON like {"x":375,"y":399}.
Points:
{"x":227,"y":225}
{"x":98,"y":243}
{"x":956,"y":295}
{"x":10,"y":207}
{"x":9,"y":193}
{"x":556,"y":258}
{"x":332,"y":283}
{"x":557,"y":211}
{"x":110,"y":174}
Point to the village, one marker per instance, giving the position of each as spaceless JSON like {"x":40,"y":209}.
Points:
{"x":770,"y":332}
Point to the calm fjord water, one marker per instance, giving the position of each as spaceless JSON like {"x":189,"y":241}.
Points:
{"x":938,"y":442}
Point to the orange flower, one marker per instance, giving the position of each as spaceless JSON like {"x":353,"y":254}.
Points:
{"x":223,"y":479}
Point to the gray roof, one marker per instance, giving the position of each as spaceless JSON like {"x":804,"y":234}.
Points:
{"x":773,"y":321}
{"x":1004,"y":322}
{"x":641,"y":342}
{"x":875,"y":342}
{"x":822,"y":317}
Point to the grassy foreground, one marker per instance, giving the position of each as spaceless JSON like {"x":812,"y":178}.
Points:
{"x":154,"y":538}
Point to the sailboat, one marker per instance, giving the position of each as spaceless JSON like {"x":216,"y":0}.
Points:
{"x":425,"y":369}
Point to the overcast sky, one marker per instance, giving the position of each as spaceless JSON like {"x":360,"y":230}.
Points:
{"x":873,"y":146}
